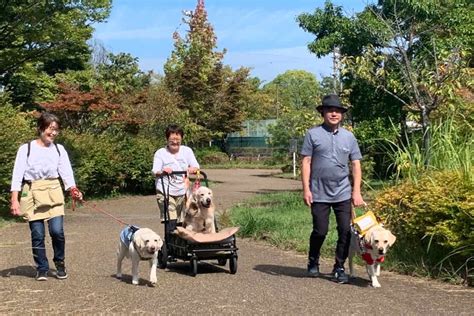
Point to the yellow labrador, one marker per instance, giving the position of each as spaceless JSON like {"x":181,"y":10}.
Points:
{"x":138,"y":244}
{"x":199,"y":213}
{"x":373,"y":249}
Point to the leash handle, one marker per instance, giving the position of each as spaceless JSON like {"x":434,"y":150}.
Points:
{"x":76,"y":195}
{"x":353,"y":213}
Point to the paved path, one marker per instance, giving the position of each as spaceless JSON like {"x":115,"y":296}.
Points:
{"x":268,"y":280}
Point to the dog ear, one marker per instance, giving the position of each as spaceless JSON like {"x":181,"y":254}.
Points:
{"x":391,"y":239}
{"x":195,"y":197}
{"x":368,"y":237}
{"x":138,"y":239}
{"x":160,"y":241}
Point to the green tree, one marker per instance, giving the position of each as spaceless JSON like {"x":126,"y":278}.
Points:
{"x":121,"y":73}
{"x":52,"y":32}
{"x":296,"y":89}
{"x":415,"y":51}
{"x":39,"y":39}
{"x":210,"y":92}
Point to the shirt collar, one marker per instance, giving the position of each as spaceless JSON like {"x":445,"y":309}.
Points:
{"x":329,"y":130}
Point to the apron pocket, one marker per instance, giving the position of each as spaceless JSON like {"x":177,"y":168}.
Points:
{"x":48,"y":197}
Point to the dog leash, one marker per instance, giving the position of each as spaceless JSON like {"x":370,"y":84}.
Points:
{"x":96,"y":208}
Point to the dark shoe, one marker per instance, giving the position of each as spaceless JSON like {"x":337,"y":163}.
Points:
{"x":41,"y":276}
{"x":340,"y":276}
{"x":60,"y":270}
{"x":313,"y":269}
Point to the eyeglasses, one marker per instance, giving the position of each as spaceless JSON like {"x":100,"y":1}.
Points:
{"x":52,"y":130}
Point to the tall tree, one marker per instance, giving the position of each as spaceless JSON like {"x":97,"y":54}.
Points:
{"x":46,"y":31}
{"x":209,"y":91}
{"x":415,"y":51}
{"x":296,"y":89}
{"x":121,"y":73}
{"x":39,"y":39}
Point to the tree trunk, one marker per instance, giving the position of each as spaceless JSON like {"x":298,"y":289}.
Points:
{"x":425,"y":122}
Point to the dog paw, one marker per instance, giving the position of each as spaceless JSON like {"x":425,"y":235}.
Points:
{"x":135,"y":282}
{"x":376,"y":284}
{"x":153,"y":282}
{"x":118,"y":275}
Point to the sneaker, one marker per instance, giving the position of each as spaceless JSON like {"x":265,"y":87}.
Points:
{"x":60,"y":270}
{"x":313,"y":269}
{"x":340,"y":276}
{"x":41,"y":276}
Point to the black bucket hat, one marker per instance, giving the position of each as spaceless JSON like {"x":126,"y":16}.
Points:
{"x":331,"y":101}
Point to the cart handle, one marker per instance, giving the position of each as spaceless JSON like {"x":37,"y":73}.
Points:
{"x":202,"y":173}
{"x":166,"y":193}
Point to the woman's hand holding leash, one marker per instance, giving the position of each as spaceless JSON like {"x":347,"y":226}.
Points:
{"x":76,"y":194}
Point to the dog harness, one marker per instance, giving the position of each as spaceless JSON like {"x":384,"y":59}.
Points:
{"x":126,"y":237}
{"x":368,"y":258}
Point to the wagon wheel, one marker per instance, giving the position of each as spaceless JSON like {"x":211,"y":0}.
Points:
{"x":222,"y":261}
{"x":233,"y":264}
{"x":194,"y":266}
{"x":163,"y":257}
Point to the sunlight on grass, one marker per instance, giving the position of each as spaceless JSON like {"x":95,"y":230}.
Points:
{"x":282,"y":219}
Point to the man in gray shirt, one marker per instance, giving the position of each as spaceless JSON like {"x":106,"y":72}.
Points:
{"x":327,"y":150}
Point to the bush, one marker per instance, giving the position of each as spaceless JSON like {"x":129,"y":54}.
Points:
{"x":106,"y":164}
{"x":210,"y":155}
{"x":435,"y":213}
{"x":16,"y":130}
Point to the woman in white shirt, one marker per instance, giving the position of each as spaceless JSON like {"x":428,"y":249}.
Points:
{"x":173,"y":157}
{"x":38,"y":166}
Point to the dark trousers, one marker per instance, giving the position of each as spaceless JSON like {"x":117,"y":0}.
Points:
{"x":56,"y":231}
{"x":320,"y":212}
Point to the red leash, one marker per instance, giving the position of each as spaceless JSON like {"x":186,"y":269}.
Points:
{"x":95,"y":208}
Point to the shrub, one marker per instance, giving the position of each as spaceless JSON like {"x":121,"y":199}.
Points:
{"x":16,"y":130}
{"x":435,"y":213}
{"x":210,"y":155}
{"x":106,"y":164}
{"x":215,"y":158}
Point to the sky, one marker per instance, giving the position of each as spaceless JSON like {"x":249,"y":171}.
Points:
{"x":259,"y":34}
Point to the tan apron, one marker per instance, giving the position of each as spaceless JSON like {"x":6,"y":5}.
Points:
{"x":42,"y":199}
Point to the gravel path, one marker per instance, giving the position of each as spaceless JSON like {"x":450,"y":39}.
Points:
{"x":268,"y":280}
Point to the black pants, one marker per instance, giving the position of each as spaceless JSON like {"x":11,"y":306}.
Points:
{"x":320,"y":212}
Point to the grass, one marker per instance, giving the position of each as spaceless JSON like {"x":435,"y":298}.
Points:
{"x":281,"y":219}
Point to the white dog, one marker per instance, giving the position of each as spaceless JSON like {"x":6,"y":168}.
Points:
{"x":199,"y":213}
{"x":373,"y":248}
{"x":138,"y":244}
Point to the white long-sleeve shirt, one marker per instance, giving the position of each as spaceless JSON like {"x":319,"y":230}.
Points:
{"x":43,"y":163}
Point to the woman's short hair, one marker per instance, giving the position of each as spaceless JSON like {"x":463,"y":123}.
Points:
{"x":45,"y":120}
{"x":174,"y":129}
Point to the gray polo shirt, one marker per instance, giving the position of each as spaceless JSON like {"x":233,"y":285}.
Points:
{"x":330,"y":154}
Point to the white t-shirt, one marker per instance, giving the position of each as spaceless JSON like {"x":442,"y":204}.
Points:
{"x":43,"y":163}
{"x":180,"y":161}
